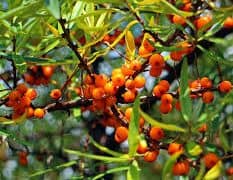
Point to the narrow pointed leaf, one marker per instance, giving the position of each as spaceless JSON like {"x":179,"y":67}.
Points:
{"x":133,"y":172}
{"x":54,"y":8}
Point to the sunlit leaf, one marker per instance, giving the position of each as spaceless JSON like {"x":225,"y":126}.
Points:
{"x":214,"y":172}
{"x":133,"y":172}
{"x":130,"y":45}
{"x":54,"y":7}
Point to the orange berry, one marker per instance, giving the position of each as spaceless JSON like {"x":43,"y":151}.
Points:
{"x":165,"y":108}
{"x":156,"y":133}
{"x":135,"y":65}
{"x":195,"y":85}
{"x":88,"y":79}
{"x":55,"y":94}
{"x":14,"y":96}
{"x":25,"y":101}
{"x":118,"y":79}
{"x":98,"y":93}
{"x":202,"y":21}
{"x":203,"y":128}
{"x":121,"y":134}
{"x":164,"y":85}
{"x":187,"y":7}
{"x":174,"y":148}
{"x":31,"y":93}
{"x":100,"y":80}
{"x":141,"y":122}
{"x":181,"y":168}
{"x":47,"y":71}
{"x":155,"y":72}
{"x":116,"y":71}
{"x":129,"y":96}
{"x":22,"y":88}
{"x":151,"y":156}
{"x":176,"y":55}
{"x":210,"y":159}
{"x":39,"y":113}
{"x":23,"y":158}
{"x":156,"y":61}
{"x":111,"y":100}
{"x":110,"y":89}
{"x":229,"y":171}
{"x":157,"y":91}
{"x":139,"y":82}
{"x":166,"y":99}
{"x":147,"y":45}
{"x":128,"y":112}
{"x":225,"y":86}
{"x":29,"y":78}
{"x":30,"y":112}
{"x":228,"y":23}
{"x":142,"y":147}
{"x":178,"y":106}
{"x":143,"y":52}
{"x":208,"y":97}
{"x":176,"y":19}
{"x":130,"y":84}
{"x":206,"y":82}
{"x":126,"y":71}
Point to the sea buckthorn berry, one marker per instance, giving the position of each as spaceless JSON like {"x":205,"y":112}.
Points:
{"x":147,"y":45}
{"x":176,"y":19}
{"x":30,"y":112}
{"x":98,"y":93}
{"x":151,"y":156}
{"x":187,"y":7}
{"x":100,"y":80}
{"x":142,"y":147}
{"x":165,"y":108}
{"x":128,"y":112}
{"x":228,"y":23}
{"x":210,"y":160}
{"x":47,"y":71}
{"x":15,"y":96}
{"x":143,"y":52}
{"x":135,"y":65}
{"x":111,"y":100}
{"x":164,"y":85}
{"x":88,"y":79}
{"x":156,"y":61}
{"x":31,"y":93}
{"x":178,"y":106}
{"x":121,"y":134}
{"x":118,"y":79}
{"x":203,"y":128}
{"x":176,"y":55}
{"x":181,"y":168}
{"x":139,"y":82}
{"x":156,"y":133}
{"x":116,"y":71}
{"x":141,"y":122}
{"x":157,"y":91}
{"x":166,"y":99}
{"x":206,"y":82}
{"x":23,"y":158}
{"x":25,"y":101}
{"x":22,"y":88}
{"x":208,"y":97}
{"x":39,"y":113}
{"x":202,"y":21}
{"x":195,"y":85}
{"x":225,"y":86}
{"x":126,"y":71}
{"x":110,"y":89}
{"x":130,"y":84}
{"x":229,"y":171}
{"x":129,"y":96}
{"x":174,"y":148}
{"x":155,"y":72}
{"x":55,"y":94}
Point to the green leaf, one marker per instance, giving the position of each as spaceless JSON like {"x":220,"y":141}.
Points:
{"x":40,"y":172}
{"x":122,"y":159}
{"x":223,"y":138}
{"x":104,"y":1}
{"x":54,"y":8}
{"x":186,"y":103}
{"x":161,"y":6}
{"x":201,"y":172}
{"x":166,"y":172}
{"x":133,"y":137}
{"x":110,"y":171}
{"x":193,"y":148}
{"x":153,"y":122}
{"x":133,"y":172}
{"x":214,"y":172}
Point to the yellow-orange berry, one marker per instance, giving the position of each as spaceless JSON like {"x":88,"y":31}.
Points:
{"x":31,"y":93}
{"x":208,"y":97}
{"x":176,"y":55}
{"x":98,"y":93}
{"x":39,"y":113}
{"x":23,"y":158}
{"x":166,"y":99}
{"x":228,"y":23}
{"x":147,"y":45}
{"x":47,"y":71}
{"x":202,"y":21}
{"x":130,"y":84}
{"x":151,"y":156}
{"x":206,"y":82}
{"x":22,"y":88}
{"x":181,"y":168}
{"x":135,"y":65}
{"x":118,"y":79}
{"x":156,"y":61}
{"x":139,"y":82}
{"x":143,"y":52}
{"x":110,"y":89}
{"x":121,"y":134}
{"x":129,"y":96}
{"x":128,"y":112}
{"x":156,"y":133}
{"x":176,"y":19}
{"x":155,"y":72}
{"x":225,"y":86}
{"x":55,"y":94}
{"x":100,"y":80}
{"x":164,"y":86}
{"x":203,"y":128}
{"x":126,"y":71}
{"x":142,"y":147}
{"x":30,"y":112}
{"x":174,"y":148}
{"x":210,"y":160}
{"x":165,"y":108}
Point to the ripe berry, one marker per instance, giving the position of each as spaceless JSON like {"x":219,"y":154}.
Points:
{"x":155,"y":72}
{"x":130,"y":84}
{"x":55,"y":94}
{"x":31,"y":93}
{"x":151,"y":156}
{"x":126,"y":71}
{"x":139,"y":82}
{"x":98,"y":93}
{"x":229,"y":171}
{"x":39,"y":113}
{"x":165,"y":108}
{"x":121,"y":134}
{"x":208,"y":97}
{"x":118,"y":79}
{"x":14,"y":96}
{"x":210,"y":160}
{"x":166,"y":99}
{"x":178,"y":106}
{"x":228,"y":23}
{"x":128,"y":112}
{"x":164,"y":85}
{"x":202,"y":21}
{"x":156,"y":61}
{"x":23,"y":158}
{"x":100,"y":80}
{"x":203,"y":128}
{"x":174,"y":148}
{"x":156,"y":133}
{"x":135,"y":65}
{"x":176,"y":55}
{"x":225,"y":86}
{"x":30,"y":112}
{"x":142,"y":147}
{"x":206,"y":82}
{"x":22,"y":88}
{"x":110,"y":89}
{"x":176,"y":19}
{"x":147,"y":45}
{"x":47,"y":71}
{"x":143,"y":52}
{"x":157,"y":91}
{"x":181,"y":168}
{"x":129,"y":96}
